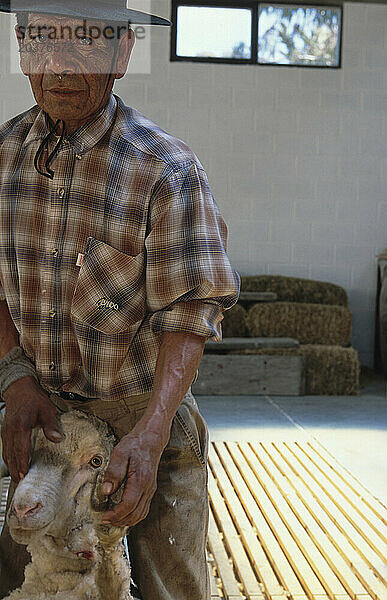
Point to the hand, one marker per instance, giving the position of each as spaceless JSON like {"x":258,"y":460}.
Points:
{"x":26,"y":406}
{"x":135,"y":459}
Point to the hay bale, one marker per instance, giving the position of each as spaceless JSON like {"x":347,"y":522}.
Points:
{"x":294,"y":289}
{"x":234,"y":322}
{"x":307,"y":323}
{"x":329,"y":370}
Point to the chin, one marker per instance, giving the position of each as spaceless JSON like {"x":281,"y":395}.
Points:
{"x":69,"y":109}
{"x":24,"y":536}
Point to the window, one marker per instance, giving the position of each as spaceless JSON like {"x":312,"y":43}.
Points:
{"x":212,"y":32}
{"x":299,"y":35}
{"x":256,"y":33}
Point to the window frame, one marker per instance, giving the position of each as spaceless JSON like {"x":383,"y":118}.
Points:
{"x":253,"y":5}
{"x":250,"y":4}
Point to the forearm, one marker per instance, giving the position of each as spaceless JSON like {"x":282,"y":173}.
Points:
{"x":9,"y":336}
{"x":178,"y":361}
{"x":136,"y":457}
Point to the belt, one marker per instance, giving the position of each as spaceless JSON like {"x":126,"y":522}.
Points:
{"x":76,"y":397}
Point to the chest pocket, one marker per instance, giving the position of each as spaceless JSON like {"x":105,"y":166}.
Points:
{"x":110,"y":292}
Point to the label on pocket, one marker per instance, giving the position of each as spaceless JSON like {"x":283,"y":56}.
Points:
{"x":80,"y":259}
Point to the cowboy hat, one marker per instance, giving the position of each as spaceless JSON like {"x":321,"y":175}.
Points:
{"x":113,"y":11}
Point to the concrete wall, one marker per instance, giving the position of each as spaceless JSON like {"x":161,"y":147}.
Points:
{"x":297,"y":158}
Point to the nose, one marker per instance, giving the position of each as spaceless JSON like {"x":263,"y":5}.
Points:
{"x":60,"y":61}
{"x":22,"y":510}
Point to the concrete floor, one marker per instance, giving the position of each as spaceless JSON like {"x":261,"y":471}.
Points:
{"x":352,"y":428}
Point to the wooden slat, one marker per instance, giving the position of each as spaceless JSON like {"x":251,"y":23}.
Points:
{"x":283,"y":569}
{"x":240,"y":528}
{"x":362,"y":517}
{"x":4,"y":485}
{"x":332,"y":510}
{"x":265,"y":494}
{"x":232,"y":540}
{"x":304,"y":506}
{"x":309,"y":564}
{"x":215,"y":591}
{"x":279,"y":492}
{"x":348,"y":564}
{"x":224,"y":568}
{"x":361,"y":534}
{"x":348,"y":482}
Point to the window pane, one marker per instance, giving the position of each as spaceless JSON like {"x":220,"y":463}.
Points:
{"x":299,"y":35}
{"x":216,"y":32}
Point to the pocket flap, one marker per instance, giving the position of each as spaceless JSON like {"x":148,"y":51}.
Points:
{"x":110,"y":292}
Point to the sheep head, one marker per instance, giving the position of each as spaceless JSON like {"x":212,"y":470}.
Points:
{"x":58,"y":476}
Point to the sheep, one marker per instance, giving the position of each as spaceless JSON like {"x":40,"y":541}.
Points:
{"x":57,"y":510}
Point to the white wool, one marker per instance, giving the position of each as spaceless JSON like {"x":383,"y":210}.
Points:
{"x":75,"y":557}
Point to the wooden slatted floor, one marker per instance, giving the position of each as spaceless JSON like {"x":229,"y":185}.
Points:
{"x":288,"y":522}
{"x":4,"y":484}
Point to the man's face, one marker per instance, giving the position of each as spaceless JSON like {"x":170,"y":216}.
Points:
{"x":69,"y":63}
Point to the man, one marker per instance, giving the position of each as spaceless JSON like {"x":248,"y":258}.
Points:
{"x":114,"y":273}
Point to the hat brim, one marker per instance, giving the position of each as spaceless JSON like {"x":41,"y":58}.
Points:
{"x":97,"y":13}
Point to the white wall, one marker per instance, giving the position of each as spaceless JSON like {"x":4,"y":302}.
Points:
{"x":297,"y":158}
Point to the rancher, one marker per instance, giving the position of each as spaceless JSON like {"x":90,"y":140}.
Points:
{"x":114,"y":273}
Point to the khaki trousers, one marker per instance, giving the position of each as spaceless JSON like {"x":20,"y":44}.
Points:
{"x":167,"y":548}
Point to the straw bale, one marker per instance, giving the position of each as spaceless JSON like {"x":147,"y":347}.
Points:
{"x":234,"y":322}
{"x":294,"y":289}
{"x":329,"y":370}
{"x":307,"y":323}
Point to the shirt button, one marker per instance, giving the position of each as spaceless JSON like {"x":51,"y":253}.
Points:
{"x":52,"y":313}
{"x":51,"y":366}
{"x":54,"y":251}
{"x":71,"y":396}
{"x":79,"y":156}
{"x":61,"y":192}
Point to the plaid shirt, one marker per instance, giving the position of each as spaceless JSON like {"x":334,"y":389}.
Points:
{"x":125,"y":242}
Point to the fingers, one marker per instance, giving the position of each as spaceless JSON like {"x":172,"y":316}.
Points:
{"x":22,"y":447}
{"x":134,"y":505}
{"x":116,"y":470}
{"x":27,"y":406}
{"x":137,"y":515}
{"x":9,"y":458}
{"x":11,"y":464}
{"x":17,"y":454}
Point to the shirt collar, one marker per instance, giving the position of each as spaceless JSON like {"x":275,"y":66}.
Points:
{"x":82,"y":139}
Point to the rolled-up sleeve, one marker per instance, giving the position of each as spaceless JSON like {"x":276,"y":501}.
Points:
{"x":189,"y":279}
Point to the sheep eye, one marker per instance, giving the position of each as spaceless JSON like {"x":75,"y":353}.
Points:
{"x":96,"y":462}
